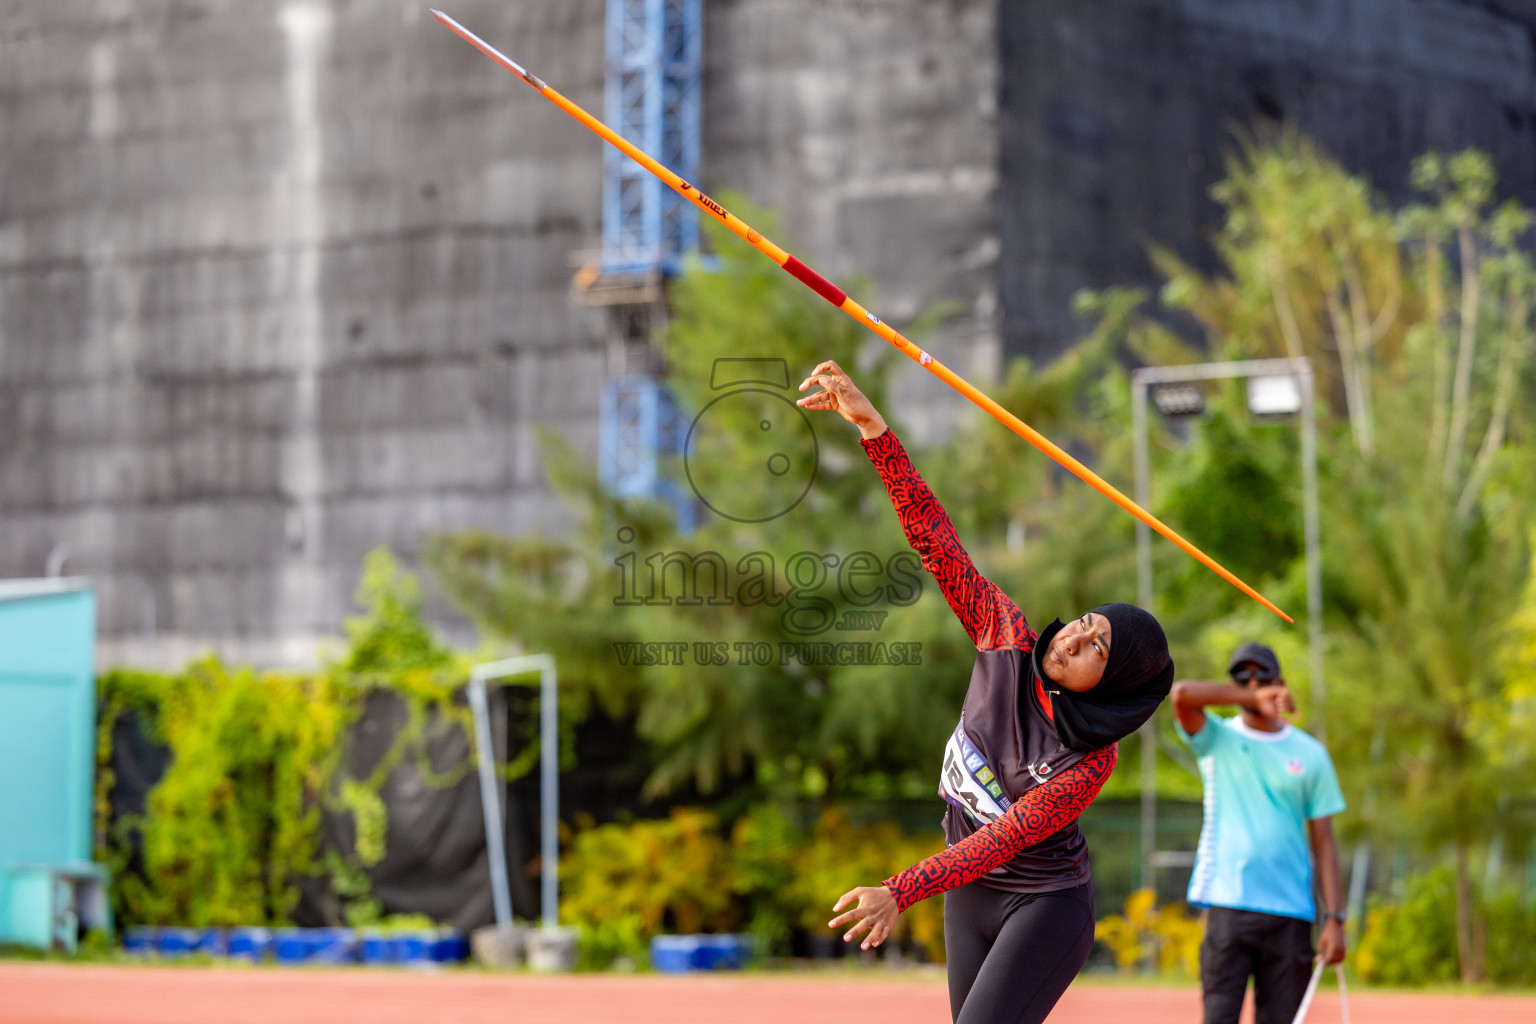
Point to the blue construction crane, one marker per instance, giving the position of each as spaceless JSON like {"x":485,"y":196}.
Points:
{"x":652,"y":98}
{"x":641,"y":431}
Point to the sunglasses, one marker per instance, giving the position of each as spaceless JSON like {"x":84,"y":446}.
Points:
{"x":1252,"y":673}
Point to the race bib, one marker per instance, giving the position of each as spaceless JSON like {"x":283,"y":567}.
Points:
{"x":968,"y":782}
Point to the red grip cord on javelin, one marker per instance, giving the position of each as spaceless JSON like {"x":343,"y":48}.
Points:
{"x":818,"y":284}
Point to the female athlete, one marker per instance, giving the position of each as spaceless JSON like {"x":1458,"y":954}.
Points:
{"x":1036,"y":740}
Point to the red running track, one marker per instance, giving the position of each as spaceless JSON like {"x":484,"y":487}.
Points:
{"x":89,"y":994}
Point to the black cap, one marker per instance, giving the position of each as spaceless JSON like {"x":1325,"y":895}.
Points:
{"x":1259,"y":655}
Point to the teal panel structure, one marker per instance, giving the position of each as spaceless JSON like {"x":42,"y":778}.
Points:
{"x":48,"y":905}
{"x":47,"y":747}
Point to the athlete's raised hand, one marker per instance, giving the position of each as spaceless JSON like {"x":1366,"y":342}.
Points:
{"x":841,"y":395}
{"x":876,"y":912}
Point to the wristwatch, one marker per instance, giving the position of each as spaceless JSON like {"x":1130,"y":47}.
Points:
{"x":1334,"y":915}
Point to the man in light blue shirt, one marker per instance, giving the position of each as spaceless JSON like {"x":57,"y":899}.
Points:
{"x":1270,"y":791}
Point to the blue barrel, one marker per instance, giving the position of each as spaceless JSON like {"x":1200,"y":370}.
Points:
{"x":247,"y":943}
{"x":721,"y":952}
{"x":140,"y":940}
{"x":449,"y":948}
{"x":174,"y":942}
{"x":314,"y":946}
{"x":674,"y":954}
{"x":291,"y":945}
{"x":412,"y":947}
{"x":333,"y":945}
{"x":375,"y":948}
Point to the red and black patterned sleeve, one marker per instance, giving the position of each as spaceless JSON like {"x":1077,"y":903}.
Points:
{"x":1040,"y":813}
{"x":992,"y":620}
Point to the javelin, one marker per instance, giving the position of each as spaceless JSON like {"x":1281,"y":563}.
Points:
{"x":835,"y":295}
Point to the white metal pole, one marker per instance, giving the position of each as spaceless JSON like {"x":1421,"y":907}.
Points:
{"x":549,"y":793}
{"x":1141,"y":380}
{"x":549,"y":781}
{"x":1312,"y":539}
{"x":1148,"y":729}
{"x":490,"y":807}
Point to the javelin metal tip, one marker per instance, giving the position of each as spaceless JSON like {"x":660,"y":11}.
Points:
{"x":489,"y":50}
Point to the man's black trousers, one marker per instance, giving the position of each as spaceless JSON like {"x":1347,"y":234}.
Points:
{"x":1275,"y":951}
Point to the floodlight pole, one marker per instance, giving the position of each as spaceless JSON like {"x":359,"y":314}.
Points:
{"x":1141,"y":380}
{"x":1148,"y":730}
{"x":1312,"y":543}
{"x":549,"y":782}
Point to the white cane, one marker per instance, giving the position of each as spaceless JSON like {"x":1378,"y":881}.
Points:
{"x":1306,"y":1000}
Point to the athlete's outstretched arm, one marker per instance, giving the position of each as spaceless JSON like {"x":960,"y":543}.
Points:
{"x":1039,"y":813}
{"x":992,"y":620}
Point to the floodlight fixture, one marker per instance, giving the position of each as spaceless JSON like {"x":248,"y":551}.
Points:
{"x":1175,"y":400}
{"x":1274,"y":396}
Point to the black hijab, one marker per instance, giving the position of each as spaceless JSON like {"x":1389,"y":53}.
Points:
{"x":1135,"y":681}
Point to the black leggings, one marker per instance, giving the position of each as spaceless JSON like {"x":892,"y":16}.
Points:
{"x":1011,"y":955}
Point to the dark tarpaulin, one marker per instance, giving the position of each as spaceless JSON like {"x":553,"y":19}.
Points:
{"x":435,"y":860}
{"x":137,"y":763}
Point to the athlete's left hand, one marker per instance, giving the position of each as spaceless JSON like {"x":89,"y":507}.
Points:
{"x":876,"y":912}
{"x":1330,"y":944}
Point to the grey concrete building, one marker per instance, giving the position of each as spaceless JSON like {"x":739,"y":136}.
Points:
{"x":283,"y":280}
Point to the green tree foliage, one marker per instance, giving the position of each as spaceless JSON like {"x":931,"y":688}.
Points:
{"x":1312,"y":267}
{"x":391,"y":635}
{"x":1235,"y":486}
{"x":1420,"y":328}
{"x":1434,"y":526}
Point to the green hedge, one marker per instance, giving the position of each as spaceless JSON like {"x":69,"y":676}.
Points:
{"x":627,"y":882}
{"x":1413,"y":941}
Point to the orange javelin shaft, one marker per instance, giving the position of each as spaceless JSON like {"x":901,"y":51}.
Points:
{"x":835,"y":295}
